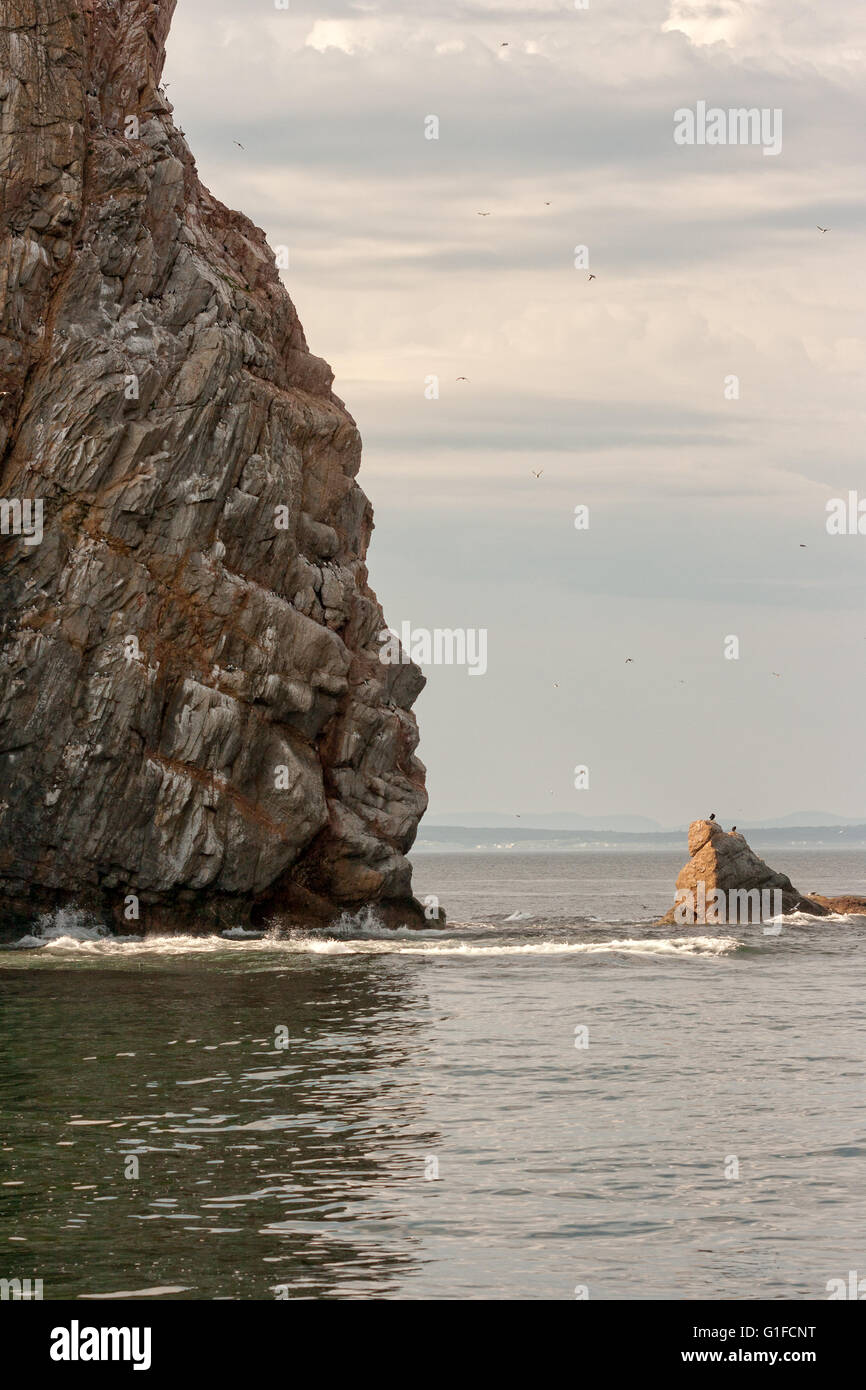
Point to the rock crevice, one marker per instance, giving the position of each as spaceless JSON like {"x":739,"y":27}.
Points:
{"x":192,"y":709}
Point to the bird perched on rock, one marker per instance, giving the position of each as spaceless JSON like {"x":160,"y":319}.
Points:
{"x":733,"y":828}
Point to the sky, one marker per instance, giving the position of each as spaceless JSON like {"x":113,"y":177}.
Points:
{"x":707,"y":498}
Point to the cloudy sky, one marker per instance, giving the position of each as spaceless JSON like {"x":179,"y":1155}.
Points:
{"x":559,"y":122}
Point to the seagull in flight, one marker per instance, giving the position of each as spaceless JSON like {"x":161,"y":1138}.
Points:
{"x":803,"y":546}
{"x":461,"y":378}
{"x":628,"y":659}
{"x":823,"y":229}
{"x":239,"y":145}
{"x":482,"y":214}
{"x":536,"y":473}
{"x":592,"y":277}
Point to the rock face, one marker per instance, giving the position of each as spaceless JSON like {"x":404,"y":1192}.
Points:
{"x":192,"y":709}
{"x":721,"y":862}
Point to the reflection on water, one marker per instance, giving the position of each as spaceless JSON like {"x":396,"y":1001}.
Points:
{"x":581,"y":1077}
{"x":258,"y":1165}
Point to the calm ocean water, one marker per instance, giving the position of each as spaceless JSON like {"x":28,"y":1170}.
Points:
{"x":431,"y":1129}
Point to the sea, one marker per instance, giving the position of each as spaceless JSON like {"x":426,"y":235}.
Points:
{"x":550,"y":1098}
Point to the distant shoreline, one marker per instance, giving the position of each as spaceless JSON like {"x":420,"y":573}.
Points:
{"x":476,"y":839}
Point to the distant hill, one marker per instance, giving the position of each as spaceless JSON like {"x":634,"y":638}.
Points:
{"x":803,"y":818}
{"x":524,"y":837}
{"x":637,"y":825}
{"x":556,"y":820}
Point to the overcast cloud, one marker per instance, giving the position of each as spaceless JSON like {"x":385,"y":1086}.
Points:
{"x":708,"y":263}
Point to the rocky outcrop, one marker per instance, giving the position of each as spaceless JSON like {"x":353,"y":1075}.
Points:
{"x":192,"y":709}
{"x":725,"y":881}
{"x":848,"y":903}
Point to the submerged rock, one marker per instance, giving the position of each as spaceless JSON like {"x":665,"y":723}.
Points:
{"x":726,"y":881}
{"x":194,"y":723}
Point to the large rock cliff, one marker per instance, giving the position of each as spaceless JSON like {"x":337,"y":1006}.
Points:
{"x":192,"y":709}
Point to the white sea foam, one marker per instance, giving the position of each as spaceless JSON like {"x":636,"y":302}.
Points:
{"x":667,"y":946}
{"x":365,"y":940}
{"x":797,"y":919}
{"x":67,"y":926}
{"x":364,"y":922}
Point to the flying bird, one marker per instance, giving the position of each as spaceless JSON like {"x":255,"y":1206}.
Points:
{"x":482,"y":214}
{"x":803,"y":547}
{"x":592,"y":277}
{"x":547,"y":205}
{"x":461,"y":378}
{"x":239,"y":145}
{"x":628,"y":659}
{"x":823,"y":229}
{"x":537,"y":472}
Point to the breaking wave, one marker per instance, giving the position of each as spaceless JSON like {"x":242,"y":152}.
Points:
{"x":361,"y":933}
{"x":669,"y":946}
{"x":366,"y":921}
{"x":67,"y":926}
{"x":806,"y":919}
